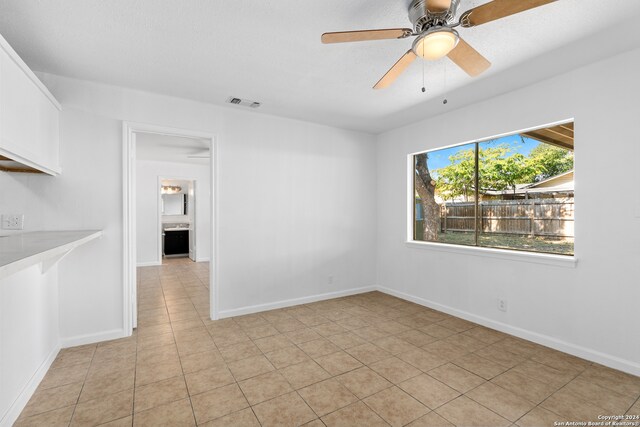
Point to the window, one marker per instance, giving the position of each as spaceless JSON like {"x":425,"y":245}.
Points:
{"x":512,"y":192}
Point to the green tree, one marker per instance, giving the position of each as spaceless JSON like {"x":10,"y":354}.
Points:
{"x":500,"y":168}
{"x":457,"y":179}
{"x":546,"y":161}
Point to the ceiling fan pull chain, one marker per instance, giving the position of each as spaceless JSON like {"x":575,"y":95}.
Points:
{"x":424,"y":89}
{"x":444,"y":77}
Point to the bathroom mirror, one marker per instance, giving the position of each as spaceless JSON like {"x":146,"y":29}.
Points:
{"x":174,"y":204}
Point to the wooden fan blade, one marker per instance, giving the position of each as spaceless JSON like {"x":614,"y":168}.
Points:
{"x":469,"y":59}
{"x":497,"y":9}
{"x":438,"y":6}
{"x":396,"y":70}
{"x":363,"y":35}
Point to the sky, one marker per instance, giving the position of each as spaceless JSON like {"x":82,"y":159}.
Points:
{"x":440,"y":158}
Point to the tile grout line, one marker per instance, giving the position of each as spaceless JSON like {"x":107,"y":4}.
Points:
{"x":161,"y":288}
{"x":73,"y":414}
{"x":238,"y":384}
{"x":184,"y":379}
{"x":235,"y":382}
{"x":632,"y":405}
{"x":135,"y":369}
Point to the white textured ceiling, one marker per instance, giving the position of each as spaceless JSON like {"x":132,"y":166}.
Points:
{"x":164,"y":148}
{"x":270,"y":51}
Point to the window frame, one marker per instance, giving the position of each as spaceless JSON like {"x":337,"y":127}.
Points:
{"x":501,"y":253}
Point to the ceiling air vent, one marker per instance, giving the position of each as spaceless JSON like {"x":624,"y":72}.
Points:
{"x":243,"y":102}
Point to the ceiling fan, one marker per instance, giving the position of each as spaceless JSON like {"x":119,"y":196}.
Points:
{"x":433,"y":26}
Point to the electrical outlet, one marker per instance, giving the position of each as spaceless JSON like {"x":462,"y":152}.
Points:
{"x":502,"y":304}
{"x":330,"y":280}
{"x":13,"y":222}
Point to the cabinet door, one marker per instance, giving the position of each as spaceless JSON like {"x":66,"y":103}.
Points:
{"x":29,"y":116}
{"x":18,"y":110}
{"x":184,"y":242}
{"x":169,"y":243}
{"x":176,"y":242}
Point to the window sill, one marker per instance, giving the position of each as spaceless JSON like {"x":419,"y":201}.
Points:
{"x":531,"y":257}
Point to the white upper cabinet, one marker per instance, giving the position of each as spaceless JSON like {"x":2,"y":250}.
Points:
{"x":29,"y":118}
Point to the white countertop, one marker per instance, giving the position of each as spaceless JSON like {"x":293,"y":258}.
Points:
{"x":20,"y":251}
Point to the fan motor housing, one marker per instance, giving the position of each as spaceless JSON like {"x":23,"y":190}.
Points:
{"x":423,"y":19}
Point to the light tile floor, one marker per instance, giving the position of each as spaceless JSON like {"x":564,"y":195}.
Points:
{"x":365,"y":360}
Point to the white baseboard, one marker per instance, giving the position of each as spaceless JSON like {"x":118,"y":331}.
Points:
{"x":21,"y":401}
{"x":148,"y":264}
{"x":92,"y":338}
{"x":291,"y":302}
{"x":204,"y":259}
{"x":614,"y":362}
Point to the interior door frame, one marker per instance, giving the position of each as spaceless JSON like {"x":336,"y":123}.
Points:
{"x":191,"y":223}
{"x":129,"y":277}
{"x":193,"y":218}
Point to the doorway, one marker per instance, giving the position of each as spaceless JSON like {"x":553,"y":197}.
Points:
{"x":145,"y":149}
{"x":177,"y":222}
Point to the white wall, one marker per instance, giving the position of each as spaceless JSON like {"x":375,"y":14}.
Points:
{"x":86,"y":196}
{"x":590,"y":310}
{"x":29,"y":338}
{"x":296,"y":203}
{"x":148,"y":238}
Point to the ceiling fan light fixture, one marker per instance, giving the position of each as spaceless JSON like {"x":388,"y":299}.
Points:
{"x":435,"y":43}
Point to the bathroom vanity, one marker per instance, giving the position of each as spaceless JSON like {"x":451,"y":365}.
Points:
{"x":176,"y":240}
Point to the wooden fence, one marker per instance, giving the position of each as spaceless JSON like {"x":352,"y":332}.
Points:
{"x":535,"y":217}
